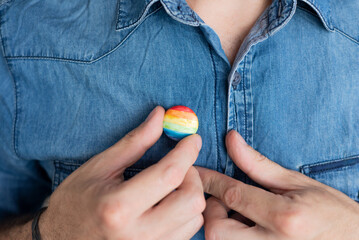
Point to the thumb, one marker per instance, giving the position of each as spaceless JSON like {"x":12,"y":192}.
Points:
{"x":259,"y":168}
{"x":129,"y":149}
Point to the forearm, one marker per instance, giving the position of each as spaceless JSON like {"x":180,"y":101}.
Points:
{"x":17,"y":228}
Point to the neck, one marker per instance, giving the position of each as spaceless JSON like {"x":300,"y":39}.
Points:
{"x":230,"y":19}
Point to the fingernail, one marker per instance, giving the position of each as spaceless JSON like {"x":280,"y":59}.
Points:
{"x":198,"y":142}
{"x":240,"y":138}
{"x":151,"y":114}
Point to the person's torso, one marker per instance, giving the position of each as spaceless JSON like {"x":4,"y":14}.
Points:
{"x":86,"y":74}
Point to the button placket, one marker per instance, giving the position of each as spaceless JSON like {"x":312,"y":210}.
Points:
{"x":241,"y":106}
{"x":233,"y":118}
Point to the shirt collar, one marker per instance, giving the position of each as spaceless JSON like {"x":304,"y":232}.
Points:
{"x":323,"y":10}
{"x":133,"y":12}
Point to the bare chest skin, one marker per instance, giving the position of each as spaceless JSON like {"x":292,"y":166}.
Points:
{"x":230,"y":19}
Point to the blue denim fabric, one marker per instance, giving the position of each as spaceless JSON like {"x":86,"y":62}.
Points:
{"x":75,"y":77}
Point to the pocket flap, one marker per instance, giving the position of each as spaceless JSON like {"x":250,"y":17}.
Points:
{"x":64,"y":168}
{"x":341,"y":174}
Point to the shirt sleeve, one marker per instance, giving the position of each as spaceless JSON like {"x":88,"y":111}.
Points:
{"x":23,"y":183}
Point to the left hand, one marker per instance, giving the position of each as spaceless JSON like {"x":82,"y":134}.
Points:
{"x":294,"y":207}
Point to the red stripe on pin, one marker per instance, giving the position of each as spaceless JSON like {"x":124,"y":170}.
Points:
{"x":182,"y":108}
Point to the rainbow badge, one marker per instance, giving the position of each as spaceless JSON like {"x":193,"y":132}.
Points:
{"x":180,"y":122}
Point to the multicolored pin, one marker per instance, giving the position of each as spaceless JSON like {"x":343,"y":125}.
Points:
{"x":180,"y":122}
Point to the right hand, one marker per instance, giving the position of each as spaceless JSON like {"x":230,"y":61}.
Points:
{"x":94,"y":202}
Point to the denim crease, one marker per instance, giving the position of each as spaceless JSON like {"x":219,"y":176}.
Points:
{"x":75,"y":77}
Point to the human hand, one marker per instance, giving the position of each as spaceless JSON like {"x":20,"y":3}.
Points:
{"x":295,"y":207}
{"x":94,"y":202}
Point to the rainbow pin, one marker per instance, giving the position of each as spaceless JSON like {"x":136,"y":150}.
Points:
{"x":180,"y":122}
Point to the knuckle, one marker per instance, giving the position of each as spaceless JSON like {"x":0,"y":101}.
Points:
{"x":111,"y":215}
{"x":104,"y":211}
{"x":138,"y":138}
{"x":130,"y":139}
{"x":261,"y":158}
{"x":208,"y":182}
{"x":131,"y":136}
{"x":198,"y":202}
{"x":289,"y":221}
{"x":232,"y":196}
{"x":173,"y":175}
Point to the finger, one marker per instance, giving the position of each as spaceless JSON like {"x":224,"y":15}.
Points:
{"x":180,"y":206}
{"x":230,"y":229}
{"x":132,"y":147}
{"x":215,"y":210}
{"x":187,"y":231}
{"x":177,"y":208}
{"x":152,"y":184}
{"x":254,"y":203}
{"x":259,"y":168}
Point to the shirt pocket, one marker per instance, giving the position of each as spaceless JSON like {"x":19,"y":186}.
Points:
{"x":341,"y":174}
{"x":64,"y":168}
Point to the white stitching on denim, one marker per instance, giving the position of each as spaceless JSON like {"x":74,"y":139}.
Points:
{"x":334,"y":28}
{"x":81,"y":61}
{"x":138,"y":21}
{"x":346,"y":35}
{"x":195,"y":24}
{"x":15,"y":120}
{"x":317,"y":10}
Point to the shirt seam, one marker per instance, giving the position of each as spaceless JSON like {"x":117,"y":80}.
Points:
{"x":236,"y":121}
{"x":77,"y":61}
{"x":326,"y":22}
{"x":307,"y":166}
{"x":334,"y":28}
{"x":215,"y":105}
{"x":244,"y":98}
{"x":15,"y":91}
{"x":331,"y":169}
{"x":284,"y":22}
{"x":139,"y":20}
{"x":177,"y":18}
{"x":347,"y":36}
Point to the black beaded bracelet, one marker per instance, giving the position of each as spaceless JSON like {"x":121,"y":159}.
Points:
{"x":35,"y":225}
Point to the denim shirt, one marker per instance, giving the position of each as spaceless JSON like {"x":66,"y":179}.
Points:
{"x":76,"y":76}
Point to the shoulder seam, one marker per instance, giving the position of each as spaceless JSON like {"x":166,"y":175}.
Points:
{"x":346,"y":35}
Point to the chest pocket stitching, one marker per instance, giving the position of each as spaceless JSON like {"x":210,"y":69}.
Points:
{"x":65,"y":168}
{"x":342,"y":164}
{"x":329,"y":165}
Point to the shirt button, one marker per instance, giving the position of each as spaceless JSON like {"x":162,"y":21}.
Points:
{"x":236,"y":80}
{"x":180,"y":122}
